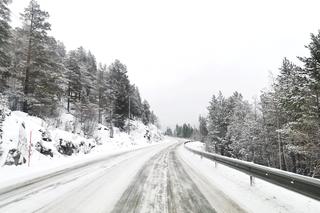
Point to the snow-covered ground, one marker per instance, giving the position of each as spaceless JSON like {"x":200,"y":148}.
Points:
{"x":54,"y":146}
{"x":164,"y":177}
{"x":262,"y":197}
{"x":95,"y":187}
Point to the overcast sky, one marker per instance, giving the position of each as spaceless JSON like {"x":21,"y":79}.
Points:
{"x":181,"y":52}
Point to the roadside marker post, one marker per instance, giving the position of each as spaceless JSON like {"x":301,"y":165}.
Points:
{"x":252,"y":182}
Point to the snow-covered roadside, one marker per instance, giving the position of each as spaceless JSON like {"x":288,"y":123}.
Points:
{"x":11,"y":175}
{"x":47,"y":158}
{"x":262,"y":197}
{"x":196,"y":145}
{"x":93,"y":188}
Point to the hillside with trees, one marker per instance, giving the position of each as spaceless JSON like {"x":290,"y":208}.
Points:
{"x":281,"y":129}
{"x":39,"y":77}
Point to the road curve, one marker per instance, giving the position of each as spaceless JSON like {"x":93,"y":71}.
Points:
{"x":162,"y":185}
{"x":152,"y":179}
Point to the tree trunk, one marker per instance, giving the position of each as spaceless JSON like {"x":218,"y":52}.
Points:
{"x":27,"y":74}
{"x":111,"y":124}
{"x":69,"y":92}
{"x":100,"y":107}
{"x":284,"y":165}
{"x":253,"y":154}
{"x":222,"y":149}
{"x":294,"y":162}
{"x":27,"y":79}
{"x":216,"y":149}
{"x":280,"y":153}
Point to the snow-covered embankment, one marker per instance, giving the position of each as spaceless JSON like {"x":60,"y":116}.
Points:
{"x":31,"y":145}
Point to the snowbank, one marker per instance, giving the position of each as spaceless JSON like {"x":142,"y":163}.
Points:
{"x":197,"y":145}
{"x":31,"y":140}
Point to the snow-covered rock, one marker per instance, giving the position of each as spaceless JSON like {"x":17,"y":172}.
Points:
{"x":27,"y":138}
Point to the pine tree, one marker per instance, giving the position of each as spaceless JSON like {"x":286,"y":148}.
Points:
{"x":178,"y":131}
{"x":85,"y":88}
{"x":136,"y":107}
{"x":35,"y":27}
{"x":118,"y":93}
{"x":309,"y":122}
{"x":168,"y":131}
{"x":292,"y":96}
{"x":5,"y":58}
{"x":73,"y":80}
{"x":312,"y":70}
{"x":243,"y":130}
{"x":203,"y":129}
{"x":154,"y":119}
{"x":101,"y":84}
{"x":17,"y":69}
{"x":271,"y":122}
{"x":217,"y":123}
{"x":146,"y":114}
{"x":42,"y":63}
{"x":50,"y":81}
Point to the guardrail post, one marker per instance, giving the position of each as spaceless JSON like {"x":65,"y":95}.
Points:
{"x":251,"y":180}
{"x":215,"y":164}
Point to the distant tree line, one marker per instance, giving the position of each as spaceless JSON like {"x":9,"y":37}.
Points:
{"x":280,"y":130}
{"x":40,"y":78}
{"x":183,"y":131}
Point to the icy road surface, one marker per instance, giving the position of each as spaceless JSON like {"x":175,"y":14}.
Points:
{"x":151,"y":179}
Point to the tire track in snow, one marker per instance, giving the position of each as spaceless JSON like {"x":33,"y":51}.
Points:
{"x":217,"y":198}
{"x":162,"y":185}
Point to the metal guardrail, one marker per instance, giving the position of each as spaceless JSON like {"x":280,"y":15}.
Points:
{"x":304,"y":185}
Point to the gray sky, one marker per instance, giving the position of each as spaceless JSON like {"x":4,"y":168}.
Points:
{"x":181,"y":52}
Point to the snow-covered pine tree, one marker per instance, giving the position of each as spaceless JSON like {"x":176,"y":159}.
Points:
{"x":83,"y":88}
{"x":146,"y":113}
{"x":244,"y":131}
{"x":178,"y":131}
{"x":184,"y":131}
{"x":73,"y":80}
{"x":50,"y":81}
{"x":154,"y":119}
{"x":312,"y":70}
{"x":273,"y":117}
{"x":15,"y":81}
{"x":203,"y":129}
{"x":292,"y":94}
{"x":288,"y":86}
{"x":311,"y":117}
{"x":101,"y":87}
{"x":136,"y":107}
{"x":42,"y":64}
{"x":217,"y":123}
{"x":118,"y":94}
{"x":168,"y":132}
{"x":5,"y":32}
{"x":88,"y":106}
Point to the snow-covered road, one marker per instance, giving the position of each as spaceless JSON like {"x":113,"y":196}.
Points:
{"x":151,"y":179}
{"x":160,"y":178}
